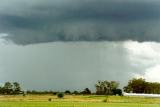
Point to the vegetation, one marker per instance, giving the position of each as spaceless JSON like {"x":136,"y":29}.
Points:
{"x":77,"y":101}
{"x":34,"y":92}
{"x":107,"y":88}
{"x":105,"y":91}
{"x":141,"y":86}
{"x":86,"y":91}
{"x":60,"y":95}
{"x":117,"y":92}
{"x":9,"y":88}
{"x":102,"y":88}
{"x":72,"y":104}
{"x":49,"y":99}
{"x":67,"y":92}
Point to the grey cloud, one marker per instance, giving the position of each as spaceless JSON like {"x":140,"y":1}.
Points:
{"x":74,"y":20}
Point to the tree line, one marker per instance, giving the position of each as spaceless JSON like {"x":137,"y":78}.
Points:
{"x":102,"y":88}
{"x":134,"y":85}
{"x":86,"y":91}
{"x":141,"y":86}
{"x":10,"y":88}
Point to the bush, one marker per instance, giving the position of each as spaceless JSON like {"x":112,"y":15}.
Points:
{"x":49,"y":99}
{"x":117,"y":92}
{"x":67,"y":92}
{"x":55,"y":93}
{"x":75,"y":92}
{"x":60,"y":95}
{"x":86,"y":91}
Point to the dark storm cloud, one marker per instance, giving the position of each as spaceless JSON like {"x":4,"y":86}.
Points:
{"x":29,"y":22}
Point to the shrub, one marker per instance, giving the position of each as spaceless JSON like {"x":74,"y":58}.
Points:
{"x":60,"y":95}
{"x":49,"y":99}
{"x":55,"y":93}
{"x":67,"y":92}
{"x":117,"y":92}
{"x":75,"y":92}
{"x":86,"y":91}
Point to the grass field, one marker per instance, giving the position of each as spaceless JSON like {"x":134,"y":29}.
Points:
{"x":77,"y":101}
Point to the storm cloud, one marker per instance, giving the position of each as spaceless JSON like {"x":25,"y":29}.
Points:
{"x":83,"y":41}
{"x":30,"y":22}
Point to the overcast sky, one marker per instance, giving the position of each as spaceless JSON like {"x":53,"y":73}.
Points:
{"x":70,"y":44}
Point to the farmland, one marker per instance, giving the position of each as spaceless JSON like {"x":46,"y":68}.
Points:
{"x":77,"y":101}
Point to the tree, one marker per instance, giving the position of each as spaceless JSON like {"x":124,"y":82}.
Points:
{"x":86,"y":91}
{"x":99,"y":87}
{"x":106,"y":87}
{"x":128,"y":89}
{"x":67,"y":92}
{"x":114,"y":84}
{"x":76,"y":92}
{"x":141,"y":86}
{"x":16,"y":88}
{"x":1,"y":90}
{"x":136,"y":86}
{"x":60,"y":95}
{"x":8,"y":88}
{"x":117,"y":92}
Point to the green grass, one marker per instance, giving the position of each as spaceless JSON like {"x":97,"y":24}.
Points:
{"x":73,"y":104}
{"x":77,"y":101}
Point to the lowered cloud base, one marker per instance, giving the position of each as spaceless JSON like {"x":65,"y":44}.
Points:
{"x":39,"y":21}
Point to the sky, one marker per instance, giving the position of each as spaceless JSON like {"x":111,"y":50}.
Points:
{"x":70,"y":44}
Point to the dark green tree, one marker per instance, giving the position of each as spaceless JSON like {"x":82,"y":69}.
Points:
{"x":16,"y":88}
{"x":86,"y":91}
{"x":8,"y":88}
{"x":67,"y":92}
{"x":60,"y":95}
{"x":136,"y":85}
{"x":117,"y":92}
{"x":141,"y":86}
